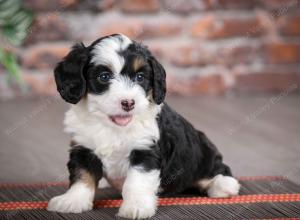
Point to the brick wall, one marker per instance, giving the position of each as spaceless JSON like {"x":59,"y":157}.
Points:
{"x":206,"y":46}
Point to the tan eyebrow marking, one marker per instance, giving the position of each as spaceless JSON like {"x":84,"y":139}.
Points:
{"x":138,"y":63}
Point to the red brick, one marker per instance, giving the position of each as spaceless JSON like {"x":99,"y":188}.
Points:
{"x":230,"y":4}
{"x":198,"y":85}
{"x":141,"y":29}
{"x":237,"y":53}
{"x":279,"y":5}
{"x":139,"y":6}
{"x":184,"y":6}
{"x":282,"y":53}
{"x":99,"y":5}
{"x":47,"y":27}
{"x":50,"y":5}
{"x":267,"y":80}
{"x":156,"y":48}
{"x":160,"y":28}
{"x":195,"y":54}
{"x":105,"y":5}
{"x":196,"y":81}
{"x":190,"y":54}
{"x":40,"y":83}
{"x":290,"y":26}
{"x":213,"y":26}
{"x":132,"y":29}
{"x":186,"y":56}
{"x":43,"y":56}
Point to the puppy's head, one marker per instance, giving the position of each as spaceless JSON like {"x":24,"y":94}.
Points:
{"x":119,"y":78}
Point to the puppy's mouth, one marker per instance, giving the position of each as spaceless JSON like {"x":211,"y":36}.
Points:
{"x":121,"y":120}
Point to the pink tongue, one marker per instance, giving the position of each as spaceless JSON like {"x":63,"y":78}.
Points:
{"x":121,"y":120}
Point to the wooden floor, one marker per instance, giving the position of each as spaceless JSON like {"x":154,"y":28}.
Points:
{"x":257,"y":135}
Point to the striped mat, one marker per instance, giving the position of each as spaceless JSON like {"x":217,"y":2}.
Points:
{"x":260,"y":198}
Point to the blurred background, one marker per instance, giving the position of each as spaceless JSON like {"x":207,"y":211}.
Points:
{"x":232,"y":70}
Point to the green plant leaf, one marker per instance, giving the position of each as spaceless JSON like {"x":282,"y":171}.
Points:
{"x":15,"y":22}
{"x":16,"y":28}
{"x":9,"y":61}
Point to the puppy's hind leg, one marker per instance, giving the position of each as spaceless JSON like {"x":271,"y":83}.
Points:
{"x":219,"y":186}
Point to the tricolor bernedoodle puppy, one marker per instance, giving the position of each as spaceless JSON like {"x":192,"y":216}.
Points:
{"x":124,"y":133}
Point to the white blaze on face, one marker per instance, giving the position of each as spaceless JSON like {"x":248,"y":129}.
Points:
{"x":121,"y":87}
{"x":106,"y":52}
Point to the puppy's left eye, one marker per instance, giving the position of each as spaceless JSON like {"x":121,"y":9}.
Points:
{"x":139,"y":77}
{"x":104,"y":77}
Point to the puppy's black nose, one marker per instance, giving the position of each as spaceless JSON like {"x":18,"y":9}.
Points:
{"x":127,"y":104}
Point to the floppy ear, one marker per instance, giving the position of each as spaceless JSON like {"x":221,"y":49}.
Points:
{"x":159,"y":81}
{"x":69,"y":76}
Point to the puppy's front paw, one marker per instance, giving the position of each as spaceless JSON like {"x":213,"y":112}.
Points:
{"x":223,"y":187}
{"x":135,"y":210}
{"x":67,"y":203}
{"x":77,"y":199}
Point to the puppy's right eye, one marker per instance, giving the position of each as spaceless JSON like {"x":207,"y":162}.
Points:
{"x":104,"y":77}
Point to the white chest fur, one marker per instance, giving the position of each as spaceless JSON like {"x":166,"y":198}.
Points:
{"x":111,"y":143}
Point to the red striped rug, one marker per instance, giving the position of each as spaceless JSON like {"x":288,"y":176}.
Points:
{"x":260,"y":198}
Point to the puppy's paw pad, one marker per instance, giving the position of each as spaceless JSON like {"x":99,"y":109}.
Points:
{"x":134,"y":211}
{"x":68,"y":204}
{"x":223,"y":187}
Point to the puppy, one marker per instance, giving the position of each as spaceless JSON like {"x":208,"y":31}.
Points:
{"x":123,"y":132}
